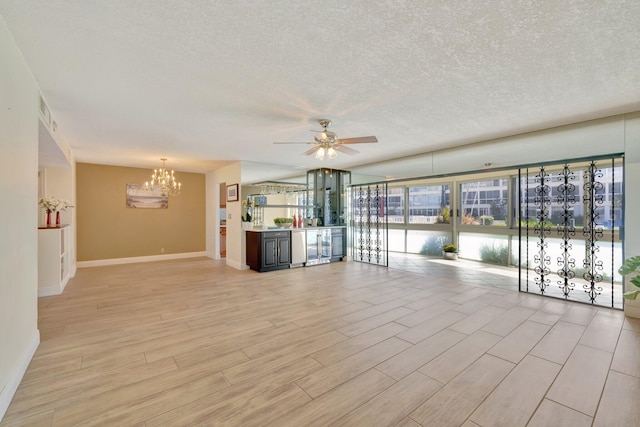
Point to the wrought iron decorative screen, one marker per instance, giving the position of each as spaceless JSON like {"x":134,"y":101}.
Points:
{"x":369,"y":224}
{"x":570,"y":217}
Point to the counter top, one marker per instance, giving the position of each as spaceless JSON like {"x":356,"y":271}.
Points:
{"x":52,"y":226}
{"x":262,"y":230}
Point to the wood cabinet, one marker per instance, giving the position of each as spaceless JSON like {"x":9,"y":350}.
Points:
{"x":268,"y":250}
{"x":54,"y":260}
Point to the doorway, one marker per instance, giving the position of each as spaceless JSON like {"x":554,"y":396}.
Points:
{"x":223,"y":219}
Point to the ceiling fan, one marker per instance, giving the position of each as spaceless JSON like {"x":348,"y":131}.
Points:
{"x":327,"y":142}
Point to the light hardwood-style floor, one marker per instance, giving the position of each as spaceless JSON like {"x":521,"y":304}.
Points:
{"x":194,"y":342}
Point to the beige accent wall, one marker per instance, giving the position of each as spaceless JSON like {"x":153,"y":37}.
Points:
{"x":107,"y":229}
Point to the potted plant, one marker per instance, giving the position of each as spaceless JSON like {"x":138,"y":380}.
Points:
{"x":450,"y":251}
{"x":632,"y":266}
{"x":283,"y":222}
{"x":247,"y":206}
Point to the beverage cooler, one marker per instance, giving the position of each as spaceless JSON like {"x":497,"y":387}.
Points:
{"x":318,"y":246}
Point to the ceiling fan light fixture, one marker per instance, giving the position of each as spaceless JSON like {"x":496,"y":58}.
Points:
{"x":326,"y":143}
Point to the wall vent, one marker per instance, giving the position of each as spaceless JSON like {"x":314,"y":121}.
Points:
{"x":45,"y":113}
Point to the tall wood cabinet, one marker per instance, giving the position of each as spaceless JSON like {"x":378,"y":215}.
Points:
{"x":54,"y":259}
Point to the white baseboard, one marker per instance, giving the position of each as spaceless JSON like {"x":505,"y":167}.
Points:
{"x":9,"y":390}
{"x":53,"y":290}
{"x":49,"y":290}
{"x":116,"y":261}
{"x":236,"y":265}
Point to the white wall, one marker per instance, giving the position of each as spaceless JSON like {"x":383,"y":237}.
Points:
{"x":632,"y":199}
{"x":235,"y":235}
{"x":19,"y":335}
{"x":212,"y":221}
{"x":591,"y":138}
{"x":60,"y":183}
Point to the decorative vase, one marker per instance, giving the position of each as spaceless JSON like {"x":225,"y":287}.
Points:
{"x":58,"y":218}
{"x":48,"y":218}
{"x":450,"y":255}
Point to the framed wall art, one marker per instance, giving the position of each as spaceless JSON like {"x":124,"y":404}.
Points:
{"x":139,"y":197}
{"x":232,"y":193}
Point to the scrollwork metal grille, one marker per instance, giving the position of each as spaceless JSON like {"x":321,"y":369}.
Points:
{"x":566,"y":211}
{"x":370,"y":226}
{"x":541,"y":229}
{"x":592,"y":231}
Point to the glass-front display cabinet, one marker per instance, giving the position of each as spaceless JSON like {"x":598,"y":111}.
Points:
{"x":327,"y":195}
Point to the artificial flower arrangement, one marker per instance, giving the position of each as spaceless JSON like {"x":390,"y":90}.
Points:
{"x":247,"y":207}
{"x":52,"y":204}
{"x":64,"y":205}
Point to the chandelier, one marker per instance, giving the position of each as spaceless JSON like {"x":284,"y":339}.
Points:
{"x":165,"y":181}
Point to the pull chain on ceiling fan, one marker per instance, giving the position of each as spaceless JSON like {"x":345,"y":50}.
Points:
{"x":327,"y":142}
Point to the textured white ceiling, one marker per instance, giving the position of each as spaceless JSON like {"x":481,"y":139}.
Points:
{"x":207,"y":82}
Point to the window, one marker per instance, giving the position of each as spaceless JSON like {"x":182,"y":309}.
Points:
{"x":484,"y":202}
{"x":394,"y":208}
{"x":429,"y":204}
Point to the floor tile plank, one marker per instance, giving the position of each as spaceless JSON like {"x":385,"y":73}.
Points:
{"x":619,"y":406}
{"x":517,"y":397}
{"x":581,"y":381}
{"x":392,"y":405}
{"x":454,"y":402}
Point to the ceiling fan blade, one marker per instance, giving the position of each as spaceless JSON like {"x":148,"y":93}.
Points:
{"x":312,"y":150}
{"x":359,"y":140}
{"x":294,"y":142}
{"x":345,"y":150}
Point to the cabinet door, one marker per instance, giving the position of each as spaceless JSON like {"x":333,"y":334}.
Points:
{"x":337,"y":245}
{"x":269,"y":252}
{"x":284,"y":251}
{"x":312,"y":245}
{"x":325,"y":235}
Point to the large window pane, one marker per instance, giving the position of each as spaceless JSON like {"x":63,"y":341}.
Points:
{"x":484,"y":202}
{"x":564,"y":197}
{"x":488,"y":248}
{"x":394,"y":208}
{"x":427,"y":242}
{"x":396,"y":240}
{"x":429,"y":204}
{"x":605,"y":264}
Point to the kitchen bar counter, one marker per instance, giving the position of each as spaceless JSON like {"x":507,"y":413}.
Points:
{"x":278,"y":248}
{"x":262,"y":230}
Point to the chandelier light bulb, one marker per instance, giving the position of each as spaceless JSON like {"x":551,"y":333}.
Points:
{"x":320,"y":154}
{"x":164,"y":181}
{"x":331,"y":152}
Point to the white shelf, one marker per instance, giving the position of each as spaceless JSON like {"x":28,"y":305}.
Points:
{"x":53,"y":260}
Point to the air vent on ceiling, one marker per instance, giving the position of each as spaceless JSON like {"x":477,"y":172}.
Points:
{"x":45,"y":113}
